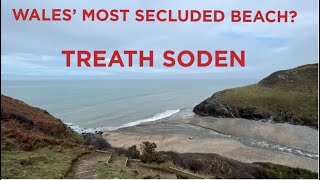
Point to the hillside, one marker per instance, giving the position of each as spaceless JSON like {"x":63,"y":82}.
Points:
{"x":30,"y":126}
{"x":285,"y":96}
{"x":34,"y":144}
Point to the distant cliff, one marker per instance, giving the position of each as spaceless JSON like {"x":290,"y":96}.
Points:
{"x":285,"y":96}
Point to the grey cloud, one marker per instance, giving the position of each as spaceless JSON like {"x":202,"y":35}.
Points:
{"x":49,"y":38}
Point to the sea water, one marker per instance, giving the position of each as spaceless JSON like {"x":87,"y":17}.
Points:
{"x":112,"y":104}
{"x":92,"y":105}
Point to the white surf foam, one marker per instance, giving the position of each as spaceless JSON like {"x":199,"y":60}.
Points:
{"x":77,"y":128}
{"x":156,"y":117}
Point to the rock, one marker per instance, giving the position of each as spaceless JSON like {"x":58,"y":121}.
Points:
{"x":215,"y":107}
{"x":99,"y":132}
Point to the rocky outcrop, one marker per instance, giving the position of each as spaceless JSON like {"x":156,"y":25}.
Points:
{"x":216,"y":107}
{"x":213,"y":106}
{"x":284,"y":96}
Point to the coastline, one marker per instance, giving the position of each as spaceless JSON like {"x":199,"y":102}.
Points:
{"x":225,"y":136}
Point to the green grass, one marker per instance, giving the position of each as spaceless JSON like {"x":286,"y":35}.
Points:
{"x":111,"y":171}
{"x":9,"y":144}
{"x":283,"y":172}
{"x":46,"y":163}
{"x":274,"y":101}
{"x":185,"y":174}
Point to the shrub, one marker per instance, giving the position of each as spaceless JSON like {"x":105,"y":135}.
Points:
{"x":187,"y":161}
{"x":149,"y":154}
{"x":133,"y":152}
{"x":273,"y":171}
{"x":96,"y":141}
{"x":120,"y":151}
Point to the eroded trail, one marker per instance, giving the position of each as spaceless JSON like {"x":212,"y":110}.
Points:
{"x":85,"y":167}
{"x":106,"y":165}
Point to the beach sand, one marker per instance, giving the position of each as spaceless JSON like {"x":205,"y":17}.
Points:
{"x":168,"y":138}
{"x":301,"y":137}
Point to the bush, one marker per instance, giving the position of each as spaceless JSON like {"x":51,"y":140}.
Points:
{"x":188,"y":162}
{"x":273,"y":171}
{"x":133,"y":152}
{"x":149,"y":154}
{"x":120,"y":151}
{"x":96,"y":141}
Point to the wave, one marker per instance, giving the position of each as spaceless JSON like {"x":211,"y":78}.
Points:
{"x":270,"y":145}
{"x":77,"y":128}
{"x":156,"y":117}
{"x":159,"y":116}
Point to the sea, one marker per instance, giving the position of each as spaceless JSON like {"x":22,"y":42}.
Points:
{"x":108,"y":105}
{"x":94,"y":105}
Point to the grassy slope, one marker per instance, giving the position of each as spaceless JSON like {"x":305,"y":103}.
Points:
{"x":111,"y":171}
{"x":50,"y":162}
{"x":34,"y":144}
{"x":284,"y":94}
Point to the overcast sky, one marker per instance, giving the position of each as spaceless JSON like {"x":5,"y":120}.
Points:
{"x":33,"y":49}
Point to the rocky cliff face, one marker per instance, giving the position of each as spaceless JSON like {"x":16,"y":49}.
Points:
{"x":284,"y":96}
{"x":214,"y":106}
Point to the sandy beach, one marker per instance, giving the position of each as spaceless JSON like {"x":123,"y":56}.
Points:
{"x":230,"y":138}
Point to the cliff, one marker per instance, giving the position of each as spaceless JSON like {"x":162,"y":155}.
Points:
{"x":285,"y":96}
{"x":30,"y":126}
